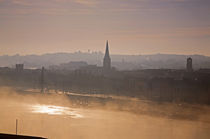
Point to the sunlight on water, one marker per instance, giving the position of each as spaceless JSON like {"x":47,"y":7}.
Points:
{"x":55,"y":110}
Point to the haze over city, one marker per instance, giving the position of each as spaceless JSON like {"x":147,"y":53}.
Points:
{"x":105,"y":69}
{"x":132,"y":27}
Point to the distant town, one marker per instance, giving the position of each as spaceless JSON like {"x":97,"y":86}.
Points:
{"x":168,"y":85}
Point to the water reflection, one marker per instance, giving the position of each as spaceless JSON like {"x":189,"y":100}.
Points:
{"x":55,"y":110}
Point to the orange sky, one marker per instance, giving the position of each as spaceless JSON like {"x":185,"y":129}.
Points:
{"x":132,"y":27}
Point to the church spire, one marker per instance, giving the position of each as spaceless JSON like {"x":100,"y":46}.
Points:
{"x":107,"y":49}
{"x":107,"y":59}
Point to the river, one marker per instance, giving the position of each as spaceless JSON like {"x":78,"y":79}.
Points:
{"x":59,"y":121}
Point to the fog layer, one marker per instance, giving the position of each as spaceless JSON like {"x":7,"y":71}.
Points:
{"x":58,"y":117}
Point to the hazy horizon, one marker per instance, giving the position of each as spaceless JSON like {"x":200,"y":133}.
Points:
{"x":132,"y":27}
{"x":57,"y":69}
{"x":92,"y":51}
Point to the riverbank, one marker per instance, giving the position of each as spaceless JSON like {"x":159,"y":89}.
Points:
{"x":180,"y":111}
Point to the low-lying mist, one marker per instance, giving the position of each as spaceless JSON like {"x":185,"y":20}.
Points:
{"x":62,"y":116}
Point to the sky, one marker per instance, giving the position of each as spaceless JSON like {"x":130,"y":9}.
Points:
{"x":131,"y":26}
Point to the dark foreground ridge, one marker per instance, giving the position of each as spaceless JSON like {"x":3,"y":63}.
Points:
{"x":12,"y":136}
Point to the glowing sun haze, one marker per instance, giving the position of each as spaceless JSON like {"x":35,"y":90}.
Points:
{"x":131,"y":26}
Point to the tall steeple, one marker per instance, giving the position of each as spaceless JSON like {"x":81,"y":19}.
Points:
{"x":107,"y":59}
{"x":107,"y":49}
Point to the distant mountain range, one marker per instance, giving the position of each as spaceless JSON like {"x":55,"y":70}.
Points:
{"x":121,"y":62}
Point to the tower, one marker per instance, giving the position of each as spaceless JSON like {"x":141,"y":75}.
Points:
{"x":19,"y":67}
{"x":42,"y":80}
{"x":189,"y":64}
{"x":107,"y":59}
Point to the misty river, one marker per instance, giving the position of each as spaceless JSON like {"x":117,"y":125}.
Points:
{"x":59,"y":121}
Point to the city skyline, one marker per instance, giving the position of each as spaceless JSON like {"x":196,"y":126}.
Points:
{"x":134,"y":27}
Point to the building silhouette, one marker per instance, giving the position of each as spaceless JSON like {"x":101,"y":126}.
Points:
{"x":189,"y":64}
{"x":42,"y":80}
{"x":107,"y":59}
{"x":19,"y":67}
